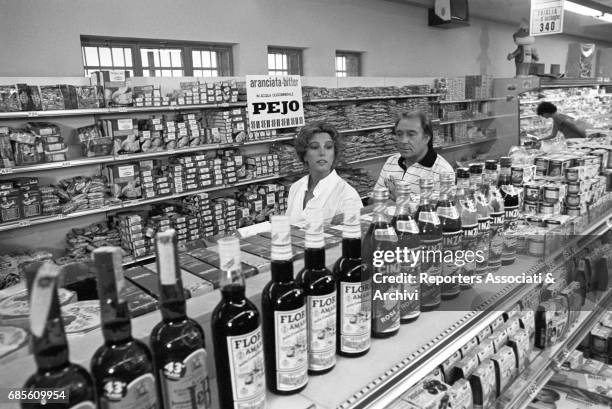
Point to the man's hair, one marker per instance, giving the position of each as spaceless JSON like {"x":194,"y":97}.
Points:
{"x":308,"y":131}
{"x":423,"y":120}
{"x":546,"y":108}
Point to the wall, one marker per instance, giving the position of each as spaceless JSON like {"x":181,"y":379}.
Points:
{"x":41,"y":38}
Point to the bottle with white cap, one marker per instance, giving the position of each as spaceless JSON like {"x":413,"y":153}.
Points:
{"x":354,"y":310}
{"x":284,"y":317}
{"x":177,"y":342}
{"x":319,"y":285}
{"x":237,"y":336}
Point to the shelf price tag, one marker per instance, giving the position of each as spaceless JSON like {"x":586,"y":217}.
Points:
{"x":33,"y":114}
{"x":546,"y":17}
{"x":24,"y":223}
{"x":6,"y":171}
{"x":123,"y":109}
{"x":66,"y":164}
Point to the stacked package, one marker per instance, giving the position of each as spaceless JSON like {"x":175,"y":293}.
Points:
{"x":149,"y":96}
{"x":54,"y":148}
{"x":20,"y":147}
{"x":288,"y":158}
{"x":363,"y":92}
{"x":132,"y":233}
{"x":258,"y":202}
{"x":82,"y":241}
{"x":478,"y":86}
{"x":262,"y":165}
{"x":368,"y":145}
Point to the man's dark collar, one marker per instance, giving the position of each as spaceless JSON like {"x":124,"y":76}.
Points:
{"x":428,"y":160}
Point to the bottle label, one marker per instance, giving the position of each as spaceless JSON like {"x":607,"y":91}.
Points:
{"x":431,"y":267}
{"x":246,"y":360}
{"x":429,"y":217}
{"x":510,"y":227}
{"x":291,"y":356}
{"x":449,"y":212}
{"x":184,"y":384}
{"x":385,"y":303}
{"x":387,"y":234}
{"x":497,"y":219}
{"x":468,"y":204}
{"x":408,"y":226}
{"x":139,"y":394}
{"x":84,"y":405}
{"x":355,"y":316}
{"x":321,"y":315}
{"x":410,"y":304}
{"x":470,"y":238}
{"x":511,"y":213}
{"x":484,"y":224}
{"x":451,"y":242}
{"x":483,"y":244}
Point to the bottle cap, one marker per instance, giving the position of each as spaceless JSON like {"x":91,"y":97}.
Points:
{"x":476,"y":168}
{"x":491,"y":164}
{"x":352,"y":224}
{"x":314,"y":229}
{"x":426,"y":183}
{"x":281,"y":238}
{"x":447,"y":177}
{"x":108,"y":262}
{"x":463,"y":173}
{"x":166,"y":256}
{"x":380,"y":193}
{"x":229,"y":254}
{"x":403,"y":188}
{"x":43,"y":295}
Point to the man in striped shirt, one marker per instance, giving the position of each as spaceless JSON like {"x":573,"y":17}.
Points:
{"x":417,"y":158}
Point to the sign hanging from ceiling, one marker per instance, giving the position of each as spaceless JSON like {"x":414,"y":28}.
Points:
{"x":546,"y":17}
{"x":274,"y":101}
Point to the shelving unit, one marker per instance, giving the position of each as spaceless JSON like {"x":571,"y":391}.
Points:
{"x":373,"y":98}
{"x":485,"y":118}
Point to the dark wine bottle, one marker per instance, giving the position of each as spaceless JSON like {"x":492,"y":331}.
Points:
{"x":469,"y":225}
{"x":380,"y":238}
{"x":481,"y":199}
{"x":177,"y":342}
{"x":354,"y":290}
{"x":431,"y":241}
{"x":450,"y":222}
{"x":319,"y":286}
{"x":50,"y":346}
{"x":496,"y":202}
{"x":409,"y":242}
{"x":284,"y":317}
{"x":237,"y":337}
{"x":122,"y":368}
{"x":511,"y":205}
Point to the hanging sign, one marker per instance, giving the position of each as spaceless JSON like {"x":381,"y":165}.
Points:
{"x":274,"y":101}
{"x":546,"y":17}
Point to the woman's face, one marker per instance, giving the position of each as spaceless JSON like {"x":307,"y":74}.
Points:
{"x":320,"y":154}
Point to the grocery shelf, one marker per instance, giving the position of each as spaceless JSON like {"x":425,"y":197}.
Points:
{"x":368,"y":159}
{"x":116,"y":110}
{"x":318,"y":100}
{"x":465,"y":144}
{"x":542,"y":367}
{"x":125,"y":205}
{"x":485,"y":118}
{"x":461,"y":101}
{"x":528,"y":116}
{"x":78,"y":162}
{"x":572,"y":83}
{"x":367,"y":128}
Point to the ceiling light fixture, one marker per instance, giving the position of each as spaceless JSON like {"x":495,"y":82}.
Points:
{"x":580,"y":9}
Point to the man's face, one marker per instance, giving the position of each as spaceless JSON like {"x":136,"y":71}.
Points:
{"x":411,"y":140}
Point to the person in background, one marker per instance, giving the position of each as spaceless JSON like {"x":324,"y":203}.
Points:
{"x":318,"y":147}
{"x":417,"y":158}
{"x":566,"y":124}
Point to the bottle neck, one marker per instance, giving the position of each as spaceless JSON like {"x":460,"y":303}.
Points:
{"x":51,"y":349}
{"x":425,"y":196}
{"x":351,"y":248}
{"x":446,"y":191}
{"x":282,"y":271}
{"x":172,"y":302}
{"x":233,"y":293}
{"x":116,"y":324}
{"x":314,"y":259}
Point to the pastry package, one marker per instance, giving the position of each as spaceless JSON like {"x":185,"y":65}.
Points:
{"x":93,"y":143}
{"x":51,"y":97}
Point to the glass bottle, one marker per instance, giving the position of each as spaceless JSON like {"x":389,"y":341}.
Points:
{"x":283,"y":312}
{"x":319,"y":285}
{"x":511,"y":206}
{"x":469,"y":225}
{"x":484,"y":218}
{"x":380,"y":238}
{"x":450,"y":222}
{"x":431,"y":242}
{"x":177,"y":342}
{"x":496,"y":207}
{"x":237,"y":337}
{"x":409,"y":243}
{"x":123,"y":367}
{"x":49,"y":344}
{"x":354,"y":313}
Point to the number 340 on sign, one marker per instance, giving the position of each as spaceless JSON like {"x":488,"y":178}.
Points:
{"x":546,"y":17}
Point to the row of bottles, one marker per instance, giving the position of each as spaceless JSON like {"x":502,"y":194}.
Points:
{"x":305,"y":320}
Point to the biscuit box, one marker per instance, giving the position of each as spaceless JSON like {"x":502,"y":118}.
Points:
{"x":125,"y":181}
{"x":484,"y":384}
{"x":464,"y":368}
{"x":520,"y":344}
{"x":551,"y":320}
{"x":505,"y":368}
{"x":430,"y":393}
{"x":448,"y":365}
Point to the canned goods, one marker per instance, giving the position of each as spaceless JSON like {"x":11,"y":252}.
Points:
{"x":532,"y":192}
{"x":516,"y":173}
{"x":535,"y":246}
{"x":572,"y":200}
{"x":551,"y":194}
{"x":572,"y":174}
{"x":555,"y":167}
{"x":530,"y":207}
{"x":573,"y":210}
{"x":546,"y":208}
{"x":552,"y":222}
{"x":541,"y":166}
{"x":603,"y":157}
{"x":534,"y":220}
{"x":573,"y":188}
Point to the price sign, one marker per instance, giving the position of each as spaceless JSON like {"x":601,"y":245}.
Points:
{"x":546,"y":17}
{"x":6,"y":171}
{"x":33,"y":114}
{"x":67,"y":163}
{"x":24,"y":223}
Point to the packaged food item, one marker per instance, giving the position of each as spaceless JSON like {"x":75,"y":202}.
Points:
{"x":572,"y":293}
{"x":550,"y":322}
{"x":89,"y":96}
{"x":484,"y":350}
{"x":9,"y":99}
{"x":429,"y":393}
{"x":574,"y":361}
{"x":460,"y":395}
{"x":93,"y":143}
{"x":464,"y":368}
{"x":505,"y":368}
{"x":520,"y":344}
{"x":469,"y":347}
{"x":553,"y":396}
{"x":597,"y":384}
{"x":125,"y":181}
{"x":499,"y":338}
{"x":483,"y":382}
{"x":600,"y":336}
{"x":449,"y":364}
{"x":51,"y":98}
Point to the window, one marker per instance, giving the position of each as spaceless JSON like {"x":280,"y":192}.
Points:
{"x":156,"y":58}
{"x":107,"y":58}
{"x":284,"y":61}
{"x":348,"y":64}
